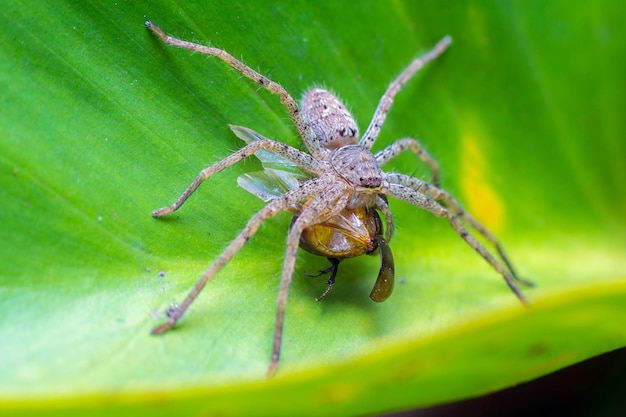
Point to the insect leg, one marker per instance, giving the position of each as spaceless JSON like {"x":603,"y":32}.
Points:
{"x":329,"y":270}
{"x":333,"y":268}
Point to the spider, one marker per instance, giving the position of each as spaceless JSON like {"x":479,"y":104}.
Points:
{"x":353,"y":232}
{"x":344,"y":175}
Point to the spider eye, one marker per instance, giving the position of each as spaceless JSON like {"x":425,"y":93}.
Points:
{"x":370,"y":182}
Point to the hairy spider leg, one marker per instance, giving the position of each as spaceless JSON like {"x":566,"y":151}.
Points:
{"x":303,"y":160}
{"x":299,"y":158}
{"x":273,"y":87}
{"x":451,"y":203}
{"x":383,"y":207}
{"x":282,"y":203}
{"x":401,"y":145}
{"x":370,"y":135}
{"x":418,"y":199}
{"x":323,"y":207}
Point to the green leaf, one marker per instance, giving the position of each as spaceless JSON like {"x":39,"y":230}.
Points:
{"x":101,"y":123}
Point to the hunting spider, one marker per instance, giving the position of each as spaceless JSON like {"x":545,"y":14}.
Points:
{"x":344,"y":177}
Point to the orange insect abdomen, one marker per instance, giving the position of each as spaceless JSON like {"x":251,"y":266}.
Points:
{"x":349,"y":234}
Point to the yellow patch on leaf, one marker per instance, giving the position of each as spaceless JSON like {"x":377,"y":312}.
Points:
{"x":481,"y":200}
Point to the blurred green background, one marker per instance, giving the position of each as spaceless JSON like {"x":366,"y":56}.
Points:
{"x":101,"y":123}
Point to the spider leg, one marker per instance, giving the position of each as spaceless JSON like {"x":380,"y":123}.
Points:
{"x":450,"y":202}
{"x":273,"y":87}
{"x":370,"y":135}
{"x":326,"y":205}
{"x":382,"y":205}
{"x":415,"y":197}
{"x":303,"y":160}
{"x":272,"y":209}
{"x":393,"y":150}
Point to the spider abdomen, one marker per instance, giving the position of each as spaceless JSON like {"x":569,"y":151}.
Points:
{"x":328,"y":118}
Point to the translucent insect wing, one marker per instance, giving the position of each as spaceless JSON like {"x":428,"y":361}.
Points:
{"x":278,"y":176}
{"x":268,"y":159}
{"x":268,"y":184}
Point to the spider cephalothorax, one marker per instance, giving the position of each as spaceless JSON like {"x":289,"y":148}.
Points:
{"x":342,"y":178}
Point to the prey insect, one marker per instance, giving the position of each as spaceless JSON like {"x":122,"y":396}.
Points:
{"x":343,"y":176}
